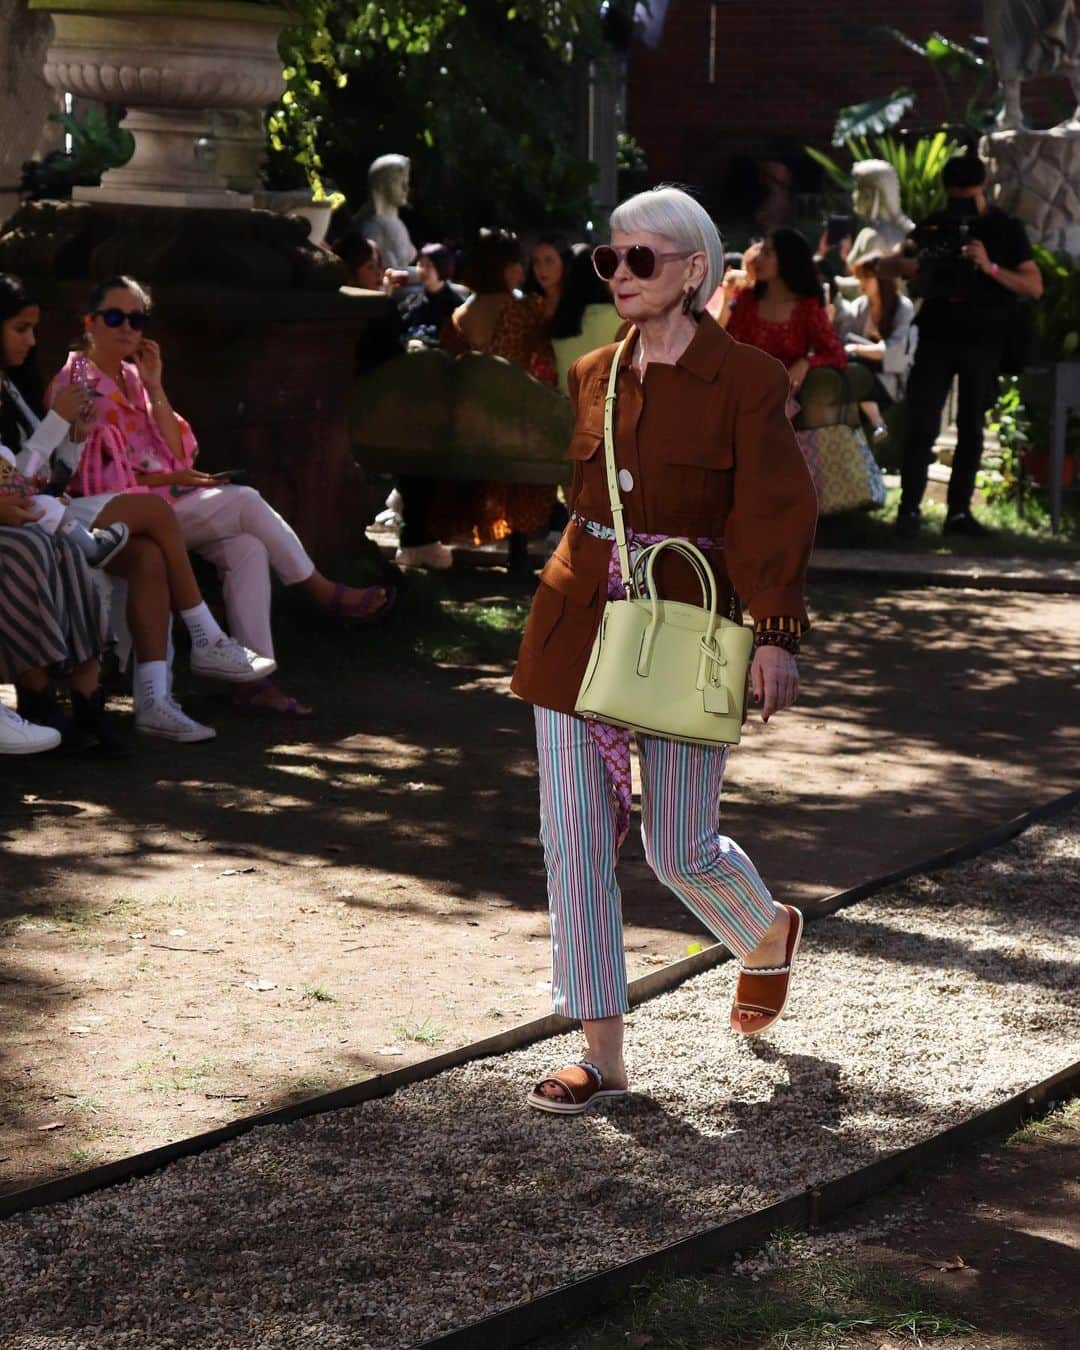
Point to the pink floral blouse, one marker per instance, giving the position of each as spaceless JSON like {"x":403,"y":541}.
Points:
{"x":125,"y":438}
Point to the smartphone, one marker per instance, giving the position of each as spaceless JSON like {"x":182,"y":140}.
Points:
{"x":838,"y":227}
{"x":228,"y":475}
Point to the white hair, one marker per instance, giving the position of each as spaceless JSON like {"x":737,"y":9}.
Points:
{"x":670,"y":212}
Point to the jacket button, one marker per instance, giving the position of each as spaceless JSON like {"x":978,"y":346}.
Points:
{"x":626,"y":480}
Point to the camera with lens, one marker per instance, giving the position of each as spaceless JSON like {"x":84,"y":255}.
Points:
{"x":939,"y":243}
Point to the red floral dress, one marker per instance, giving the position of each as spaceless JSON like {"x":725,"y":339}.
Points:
{"x":806,"y":334}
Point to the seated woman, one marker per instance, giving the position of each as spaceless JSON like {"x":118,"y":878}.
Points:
{"x":776,"y":303}
{"x":879,"y":340}
{"x":437,"y":299}
{"x":138,"y":444}
{"x":154,"y":564}
{"x":499,"y":320}
{"x":52,"y":626}
{"x":585,"y":319}
{"x":550,"y":260}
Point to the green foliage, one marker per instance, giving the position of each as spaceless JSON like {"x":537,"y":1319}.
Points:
{"x":963,"y":77}
{"x":480,"y":96}
{"x":1057,"y":315}
{"x":964,"y":80}
{"x":1010,"y":421}
{"x":875,"y":115}
{"x":918,"y":167}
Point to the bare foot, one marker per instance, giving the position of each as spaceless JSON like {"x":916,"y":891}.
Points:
{"x":772,"y":949}
{"x":273,"y":699}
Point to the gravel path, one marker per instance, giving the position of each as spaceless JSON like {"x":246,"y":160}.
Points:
{"x":384,"y":1224}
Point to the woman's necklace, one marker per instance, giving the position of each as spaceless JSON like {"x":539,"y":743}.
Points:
{"x":641,"y":356}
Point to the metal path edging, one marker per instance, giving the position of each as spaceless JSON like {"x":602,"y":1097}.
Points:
{"x":514,"y":1038}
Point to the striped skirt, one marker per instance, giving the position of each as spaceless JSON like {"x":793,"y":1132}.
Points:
{"x":51,"y":615}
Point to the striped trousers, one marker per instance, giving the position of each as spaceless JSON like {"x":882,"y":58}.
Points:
{"x":680,"y":807}
{"x":51,"y":616}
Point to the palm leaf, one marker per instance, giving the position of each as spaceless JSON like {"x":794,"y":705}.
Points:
{"x":954,"y":60}
{"x":838,"y":175}
{"x":875,"y":115}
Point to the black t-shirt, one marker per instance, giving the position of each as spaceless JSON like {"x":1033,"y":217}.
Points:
{"x":960,"y":301}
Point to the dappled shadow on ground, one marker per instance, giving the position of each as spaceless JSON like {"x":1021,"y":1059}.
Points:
{"x":929,"y":706}
{"x":925,"y":717}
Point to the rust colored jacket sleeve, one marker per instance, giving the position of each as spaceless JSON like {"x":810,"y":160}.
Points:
{"x":770,"y":531}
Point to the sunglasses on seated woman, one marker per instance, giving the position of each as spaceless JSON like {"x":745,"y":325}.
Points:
{"x":640,"y":258}
{"x":115,"y":318}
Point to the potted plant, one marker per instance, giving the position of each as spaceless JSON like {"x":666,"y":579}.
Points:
{"x":171,"y":63}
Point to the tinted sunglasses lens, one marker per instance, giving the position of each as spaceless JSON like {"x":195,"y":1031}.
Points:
{"x":641,"y":260}
{"x":606,"y":261}
{"x":114,"y":318}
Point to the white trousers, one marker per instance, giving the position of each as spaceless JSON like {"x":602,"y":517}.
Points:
{"x":52,"y":511}
{"x":233,"y":528}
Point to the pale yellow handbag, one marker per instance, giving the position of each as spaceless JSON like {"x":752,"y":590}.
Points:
{"x":659,"y":666}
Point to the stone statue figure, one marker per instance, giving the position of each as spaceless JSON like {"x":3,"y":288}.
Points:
{"x":388,"y":183}
{"x":1030,"y":38}
{"x":876,"y":198}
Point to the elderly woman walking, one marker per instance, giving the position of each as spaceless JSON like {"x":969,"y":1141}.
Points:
{"x":704,"y":450}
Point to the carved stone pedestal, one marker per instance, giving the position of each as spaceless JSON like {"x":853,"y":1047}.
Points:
{"x":1036,"y":176}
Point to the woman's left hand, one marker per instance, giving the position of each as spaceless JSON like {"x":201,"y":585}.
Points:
{"x":774,"y":680}
{"x":149,"y":364}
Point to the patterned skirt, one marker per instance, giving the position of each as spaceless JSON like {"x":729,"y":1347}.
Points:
{"x":51,"y":615}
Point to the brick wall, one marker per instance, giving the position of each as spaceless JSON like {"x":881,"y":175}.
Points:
{"x":783,"y":69}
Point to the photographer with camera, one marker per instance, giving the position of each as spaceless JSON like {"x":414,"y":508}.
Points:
{"x":971,"y":264}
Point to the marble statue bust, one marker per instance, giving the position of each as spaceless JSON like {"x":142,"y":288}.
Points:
{"x":388,"y":184}
{"x":876,"y":198}
{"x":1030,"y":38}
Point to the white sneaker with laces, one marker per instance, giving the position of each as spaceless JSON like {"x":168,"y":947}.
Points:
{"x":19,"y":737}
{"x":435,"y":555}
{"x":167,"y":719}
{"x":226,"y":659}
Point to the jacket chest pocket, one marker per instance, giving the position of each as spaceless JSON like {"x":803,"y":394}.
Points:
{"x":692,"y":487}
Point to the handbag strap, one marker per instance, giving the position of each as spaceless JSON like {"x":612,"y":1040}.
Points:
{"x":612,"y":471}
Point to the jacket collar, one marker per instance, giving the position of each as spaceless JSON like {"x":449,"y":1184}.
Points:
{"x":706,"y":354}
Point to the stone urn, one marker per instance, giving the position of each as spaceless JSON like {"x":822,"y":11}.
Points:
{"x":173,"y":64}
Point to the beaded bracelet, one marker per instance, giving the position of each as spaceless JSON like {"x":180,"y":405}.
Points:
{"x":769,"y":637}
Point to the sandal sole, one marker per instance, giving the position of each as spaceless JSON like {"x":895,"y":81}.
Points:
{"x":572,"y":1108}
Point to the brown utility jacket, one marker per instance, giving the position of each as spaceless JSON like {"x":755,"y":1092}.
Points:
{"x":712,"y":454}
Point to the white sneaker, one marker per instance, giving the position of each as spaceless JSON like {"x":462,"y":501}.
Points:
{"x":167,"y":719}
{"x":226,"y":659}
{"x":19,"y":737}
{"x":436,"y":556}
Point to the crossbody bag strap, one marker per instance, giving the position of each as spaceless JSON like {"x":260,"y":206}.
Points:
{"x":612,"y":471}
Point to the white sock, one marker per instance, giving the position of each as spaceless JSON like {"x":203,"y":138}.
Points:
{"x":151,"y":683}
{"x":202,"y":625}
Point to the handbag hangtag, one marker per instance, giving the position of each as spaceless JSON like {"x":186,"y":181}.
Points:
{"x":717,"y":699}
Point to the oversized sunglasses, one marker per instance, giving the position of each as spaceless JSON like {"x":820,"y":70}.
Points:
{"x":640,"y":258}
{"x":116,"y":318}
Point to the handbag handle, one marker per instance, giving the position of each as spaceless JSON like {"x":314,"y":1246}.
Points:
{"x":612,"y":473}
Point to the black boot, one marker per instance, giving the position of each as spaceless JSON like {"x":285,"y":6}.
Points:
{"x":41,"y":707}
{"x":92,"y":720}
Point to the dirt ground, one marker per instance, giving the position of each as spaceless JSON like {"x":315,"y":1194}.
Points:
{"x":214,"y":930}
